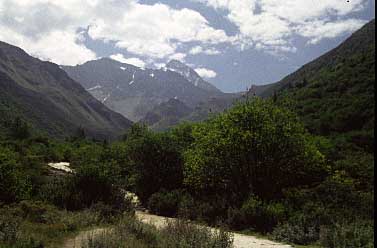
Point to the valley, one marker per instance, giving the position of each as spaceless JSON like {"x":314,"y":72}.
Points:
{"x":286,"y":164}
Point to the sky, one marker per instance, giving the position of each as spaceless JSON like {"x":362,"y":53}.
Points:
{"x":231,"y":43}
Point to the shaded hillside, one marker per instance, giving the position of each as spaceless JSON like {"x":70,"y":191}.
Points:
{"x":134,"y":91}
{"x":259,"y":90}
{"x":46,"y":97}
{"x":173,"y":112}
{"x":166,"y":115}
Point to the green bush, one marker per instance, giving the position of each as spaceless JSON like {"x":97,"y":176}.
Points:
{"x":187,"y":208}
{"x":164,"y":203}
{"x":256,"y":214}
{"x":182,"y":234}
{"x":39,"y":212}
{"x":9,"y":226}
{"x":15,"y":184}
{"x":295,"y":233}
{"x":355,"y":235}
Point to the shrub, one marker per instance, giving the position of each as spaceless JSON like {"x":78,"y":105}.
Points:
{"x":180,"y":233}
{"x":256,"y":214}
{"x":15,"y":183}
{"x":39,"y":212}
{"x":9,"y":226}
{"x":295,"y":233}
{"x":187,"y":208}
{"x":164,"y":203}
{"x":355,"y":235}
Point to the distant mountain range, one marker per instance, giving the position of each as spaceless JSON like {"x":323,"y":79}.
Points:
{"x":46,"y":97}
{"x":139,"y":93}
{"x":334,"y":93}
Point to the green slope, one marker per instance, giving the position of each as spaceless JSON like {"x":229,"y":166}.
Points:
{"x":335,"y":93}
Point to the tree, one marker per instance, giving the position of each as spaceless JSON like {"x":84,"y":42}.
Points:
{"x":155,"y":162}
{"x":20,"y":129}
{"x":15,"y":184}
{"x":255,"y":148}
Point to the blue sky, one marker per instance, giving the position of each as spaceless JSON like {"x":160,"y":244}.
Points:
{"x":231,"y":43}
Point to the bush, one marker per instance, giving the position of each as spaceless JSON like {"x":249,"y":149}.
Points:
{"x":295,"y":233}
{"x":164,"y":203}
{"x":39,"y":212}
{"x":187,"y":208}
{"x":355,"y":235}
{"x":15,"y":184}
{"x":256,"y":214}
{"x":9,"y":226}
{"x":180,"y":233}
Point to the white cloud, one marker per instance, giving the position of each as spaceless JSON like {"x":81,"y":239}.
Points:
{"x":200,"y":50}
{"x":321,"y":30}
{"x":178,"y":56}
{"x":156,"y":30}
{"x":206,"y":73}
{"x":61,"y":47}
{"x":50,"y":29}
{"x":271,"y":24}
{"x":131,"y":61}
{"x":152,"y":31}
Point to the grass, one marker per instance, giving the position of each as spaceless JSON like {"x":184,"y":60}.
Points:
{"x":35,"y":224}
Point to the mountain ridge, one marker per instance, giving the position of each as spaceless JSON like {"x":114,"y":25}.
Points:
{"x":134,"y":92}
{"x":45,"y":96}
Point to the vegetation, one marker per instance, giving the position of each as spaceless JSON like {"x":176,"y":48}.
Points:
{"x":130,"y":233}
{"x":283,"y":166}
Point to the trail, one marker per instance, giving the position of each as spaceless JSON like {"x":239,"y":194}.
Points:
{"x":78,"y":241}
{"x":240,"y":240}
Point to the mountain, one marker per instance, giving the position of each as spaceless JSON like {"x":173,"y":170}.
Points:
{"x":259,"y":90}
{"x":166,"y":115}
{"x":335,"y":94}
{"x":46,"y":97}
{"x":134,"y":92}
{"x":191,"y":75}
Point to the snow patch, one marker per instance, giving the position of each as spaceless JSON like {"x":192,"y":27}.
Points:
{"x":152,"y":75}
{"x":123,"y":68}
{"x":62,"y":166}
{"x":133,"y":79}
{"x":105,"y":99}
{"x":95,"y":87}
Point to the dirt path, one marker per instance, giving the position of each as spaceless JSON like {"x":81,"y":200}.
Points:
{"x":83,"y":236}
{"x":240,"y":240}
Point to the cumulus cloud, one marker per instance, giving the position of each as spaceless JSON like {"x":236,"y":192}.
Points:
{"x":178,"y":56}
{"x":206,"y":73}
{"x":200,"y":50}
{"x":154,"y":31}
{"x":51,"y":29}
{"x":271,"y":24}
{"x":131,"y":61}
